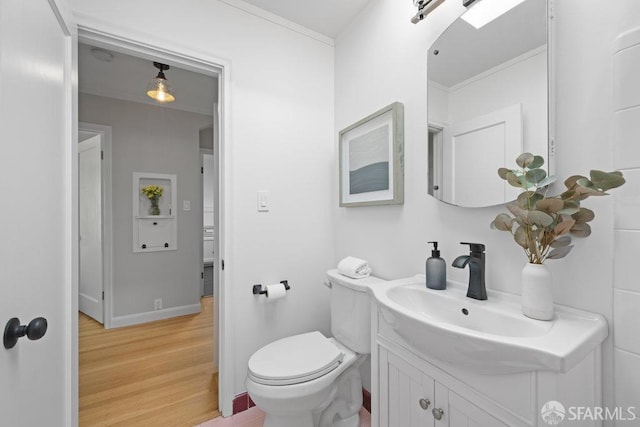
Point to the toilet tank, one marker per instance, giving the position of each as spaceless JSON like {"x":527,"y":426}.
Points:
{"x":350,"y":310}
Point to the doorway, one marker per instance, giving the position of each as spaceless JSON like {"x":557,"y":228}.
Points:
{"x":95,"y":221}
{"x":211,"y":68}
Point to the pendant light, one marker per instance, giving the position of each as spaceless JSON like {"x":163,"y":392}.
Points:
{"x":159,"y":87}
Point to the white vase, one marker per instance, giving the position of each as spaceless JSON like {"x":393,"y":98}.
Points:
{"x":537,"y":292}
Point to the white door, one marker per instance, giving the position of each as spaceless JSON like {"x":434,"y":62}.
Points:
{"x":474,"y":150}
{"x":36,"y":215}
{"x":90,"y":291}
{"x":462,"y":413}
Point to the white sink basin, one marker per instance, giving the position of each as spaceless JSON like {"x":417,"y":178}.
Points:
{"x":489,"y":337}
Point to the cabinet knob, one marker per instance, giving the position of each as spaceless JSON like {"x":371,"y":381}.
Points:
{"x":424,"y":403}
{"x":437,"y":413}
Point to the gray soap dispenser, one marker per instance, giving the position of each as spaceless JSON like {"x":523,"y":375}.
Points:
{"x":436,"y":270}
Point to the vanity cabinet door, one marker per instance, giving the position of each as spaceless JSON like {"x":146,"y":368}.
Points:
{"x":408,"y":397}
{"x":406,"y":394}
{"x":460,"y":412}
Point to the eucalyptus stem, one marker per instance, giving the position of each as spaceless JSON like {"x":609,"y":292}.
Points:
{"x":541,"y":224}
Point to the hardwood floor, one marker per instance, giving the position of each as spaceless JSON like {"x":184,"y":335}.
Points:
{"x":156,"y":374}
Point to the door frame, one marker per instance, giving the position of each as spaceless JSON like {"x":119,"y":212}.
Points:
{"x":107,"y":217}
{"x":144,"y":46}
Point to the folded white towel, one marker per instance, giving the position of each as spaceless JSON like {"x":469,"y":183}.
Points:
{"x":355,"y":268}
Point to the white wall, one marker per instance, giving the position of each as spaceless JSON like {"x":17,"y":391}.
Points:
{"x":158,"y":140}
{"x":381,"y":58}
{"x":281,"y":140}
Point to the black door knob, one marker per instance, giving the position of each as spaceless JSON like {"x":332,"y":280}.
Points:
{"x":14,"y":330}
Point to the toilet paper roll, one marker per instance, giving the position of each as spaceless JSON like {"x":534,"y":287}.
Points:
{"x":276,"y":291}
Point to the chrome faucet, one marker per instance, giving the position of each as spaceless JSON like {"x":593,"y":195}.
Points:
{"x":475,"y":260}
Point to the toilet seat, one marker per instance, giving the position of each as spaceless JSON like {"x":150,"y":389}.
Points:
{"x":294,"y":360}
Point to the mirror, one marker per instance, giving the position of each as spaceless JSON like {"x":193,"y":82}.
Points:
{"x":487,"y":103}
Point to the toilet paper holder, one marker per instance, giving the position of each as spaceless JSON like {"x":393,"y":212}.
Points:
{"x":260,"y":290}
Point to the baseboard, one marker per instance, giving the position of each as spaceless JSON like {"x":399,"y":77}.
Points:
{"x":150,"y":316}
{"x":242,"y":402}
{"x":366,"y":399}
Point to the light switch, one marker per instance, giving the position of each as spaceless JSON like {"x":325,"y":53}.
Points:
{"x":186,"y":205}
{"x":263,"y":201}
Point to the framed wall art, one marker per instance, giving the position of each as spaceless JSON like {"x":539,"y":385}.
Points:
{"x":372,"y":159}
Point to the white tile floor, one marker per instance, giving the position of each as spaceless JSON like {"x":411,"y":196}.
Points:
{"x":254,"y":417}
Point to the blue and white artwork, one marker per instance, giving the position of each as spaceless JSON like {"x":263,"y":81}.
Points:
{"x":369,"y":161}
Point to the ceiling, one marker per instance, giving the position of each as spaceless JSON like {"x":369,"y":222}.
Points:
{"x":328,"y":17}
{"x":126,"y":77}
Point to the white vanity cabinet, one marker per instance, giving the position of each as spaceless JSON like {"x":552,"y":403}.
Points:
{"x":407,"y":386}
{"x":410,"y":397}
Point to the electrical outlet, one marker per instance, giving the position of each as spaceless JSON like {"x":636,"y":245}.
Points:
{"x":157,"y":304}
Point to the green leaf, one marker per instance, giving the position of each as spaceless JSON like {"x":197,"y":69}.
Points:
{"x":606,"y":180}
{"x":513,"y":179}
{"x":571,"y":181}
{"x":528,"y":199}
{"x":521,"y":238}
{"x":540,"y":218}
{"x":503,"y":222}
{"x":561,"y":242}
{"x":584,"y":182}
{"x":564,"y":227}
{"x":584,"y":191}
{"x":502,"y":173}
{"x":550,"y":205}
{"x":569,"y":208}
{"x":537,"y":162}
{"x":584,"y":215}
{"x":547,"y":181}
{"x":535,"y":175}
{"x":525,"y":159}
{"x":516,"y":210}
{"x":559,"y":252}
{"x":581,"y":229}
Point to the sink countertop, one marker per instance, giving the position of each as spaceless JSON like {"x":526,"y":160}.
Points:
{"x":491,"y":336}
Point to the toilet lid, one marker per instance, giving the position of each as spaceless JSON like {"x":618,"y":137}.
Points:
{"x":294,"y":360}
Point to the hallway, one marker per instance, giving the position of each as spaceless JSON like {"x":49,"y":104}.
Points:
{"x":159,"y":373}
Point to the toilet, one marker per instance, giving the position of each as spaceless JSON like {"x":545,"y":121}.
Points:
{"x":309,"y":380}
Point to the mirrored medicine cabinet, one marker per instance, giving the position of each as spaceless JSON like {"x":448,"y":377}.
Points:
{"x":488,"y":101}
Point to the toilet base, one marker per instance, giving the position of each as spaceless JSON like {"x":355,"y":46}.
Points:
{"x":353,"y":421}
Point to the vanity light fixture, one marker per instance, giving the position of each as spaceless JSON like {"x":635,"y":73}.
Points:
{"x":485,"y":11}
{"x":159,"y":87}
{"x":425,"y":7}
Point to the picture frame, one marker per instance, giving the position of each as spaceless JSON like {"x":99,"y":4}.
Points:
{"x":372,"y":159}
